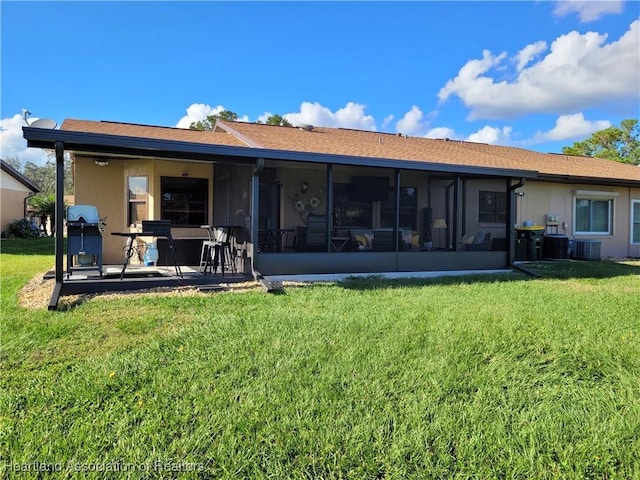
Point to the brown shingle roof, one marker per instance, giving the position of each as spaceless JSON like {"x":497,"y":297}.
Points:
{"x":383,"y":145}
{"x":366,"y":144}
{"x":148,"y":131}
{"x":561,"y":165}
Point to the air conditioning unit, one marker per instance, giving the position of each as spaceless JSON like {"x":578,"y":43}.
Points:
{"x":587,"y":250}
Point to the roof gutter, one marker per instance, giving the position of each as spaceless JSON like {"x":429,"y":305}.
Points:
{"x":618,"y":182}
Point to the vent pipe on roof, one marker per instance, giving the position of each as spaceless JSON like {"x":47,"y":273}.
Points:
{"x":305,"y":126}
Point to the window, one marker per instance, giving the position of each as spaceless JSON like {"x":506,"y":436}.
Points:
{"x":492,"y":207}
{"x":593,"y":215}
{"x":635,"y":221}
{"x":184,"y":200}
{"x":349,"y":212}
{"x":138,"y":192}
{"x":408,"y":209}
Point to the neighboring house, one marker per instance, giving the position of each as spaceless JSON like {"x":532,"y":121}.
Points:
{"x":334,"y":200}
{"x":15,"y":188}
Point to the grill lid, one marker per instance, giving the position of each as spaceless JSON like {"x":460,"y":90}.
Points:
{"x":83,"y":213}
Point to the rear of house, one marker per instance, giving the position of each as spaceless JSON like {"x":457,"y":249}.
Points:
{"x":332,"y":200}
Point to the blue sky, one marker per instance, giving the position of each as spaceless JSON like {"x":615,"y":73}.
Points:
{"x":539,"y":75}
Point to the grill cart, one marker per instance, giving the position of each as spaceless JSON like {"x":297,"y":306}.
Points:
{"x":84,"y":239}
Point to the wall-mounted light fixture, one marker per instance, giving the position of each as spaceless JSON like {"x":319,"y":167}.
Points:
{"x":102,"y":163}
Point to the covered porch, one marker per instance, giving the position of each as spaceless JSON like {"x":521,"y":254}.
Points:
{"x":293,"y":213}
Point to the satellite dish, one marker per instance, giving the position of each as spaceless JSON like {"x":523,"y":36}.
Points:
{"x":44,"y":123}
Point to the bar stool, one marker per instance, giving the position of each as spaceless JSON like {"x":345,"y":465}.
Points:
{"x":207,"y":252}
{"x":218,"y":250}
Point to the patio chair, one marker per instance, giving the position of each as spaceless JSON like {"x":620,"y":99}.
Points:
{"x":479,"y":242}
{"x":383,"y":241}
{"x":316,"y":236}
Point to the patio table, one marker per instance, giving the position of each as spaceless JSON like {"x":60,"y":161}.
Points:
{"x":130,"y":248}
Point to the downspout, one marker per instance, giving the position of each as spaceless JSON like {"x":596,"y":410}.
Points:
{"x":510,"y":229}
{"x":267,"y":286}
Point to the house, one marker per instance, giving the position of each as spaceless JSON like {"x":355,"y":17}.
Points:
{"x":15,"y":189}
{"x":333,"y":200}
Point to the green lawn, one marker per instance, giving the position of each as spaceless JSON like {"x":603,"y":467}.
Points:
{"x":501,"y":376}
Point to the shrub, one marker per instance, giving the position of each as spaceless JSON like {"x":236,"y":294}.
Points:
{"x":23,"y":228}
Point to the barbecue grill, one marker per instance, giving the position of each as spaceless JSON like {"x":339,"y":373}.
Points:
{"x":84,"y":238}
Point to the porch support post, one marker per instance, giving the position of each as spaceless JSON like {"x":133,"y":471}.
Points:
{"x":59,"y":210}
{"x":59,"y":147}
{"x":511,"y":218}
{"x":456,"y":212}
{"x":396,"y":215}
{"x":329,"y":205}
{"x":255,"y":201}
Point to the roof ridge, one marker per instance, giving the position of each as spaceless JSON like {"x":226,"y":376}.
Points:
{"x":19,"y":176}
{"x":243,"y":138}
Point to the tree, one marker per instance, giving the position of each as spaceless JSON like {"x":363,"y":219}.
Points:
{"x":14,"y":162}
{"x":44,"y":176}
{"x":276,"y":119}
{"x":44,"y":207}
{"x":621,"y":144}
{"x":209,"y":123}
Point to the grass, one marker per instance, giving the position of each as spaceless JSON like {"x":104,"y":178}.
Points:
{"x":500,"y":376}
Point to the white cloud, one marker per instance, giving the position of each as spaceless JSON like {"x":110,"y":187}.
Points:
{"x":572,"y":127}
{"x":13,"y":144}
{"x":350,"y":116}
{"x":412,"y":122}
{"x":197,"y":112}
{"x":441,"y":132}
{"x":264,"y":117}
{"x":528,"y":53}
{"x":579,"y":72}
{"x":588,"y":11}
{"x":491,"y":135}
{"x":387,"y":121}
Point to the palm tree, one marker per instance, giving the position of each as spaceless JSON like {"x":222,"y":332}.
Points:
{"x":44,"y":207}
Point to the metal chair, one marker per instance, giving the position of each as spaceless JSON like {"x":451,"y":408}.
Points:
{"x":219,"y":250}
{"x":206,"y":253}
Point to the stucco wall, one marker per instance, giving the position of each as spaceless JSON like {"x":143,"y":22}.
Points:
{"x":106,"y":188}
{"x":12,"y":202}
{"x":12,"y":195}
{"x":543,"y":198}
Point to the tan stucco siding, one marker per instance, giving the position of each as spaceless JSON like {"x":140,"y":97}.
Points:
{"x":106,"y":188}
{"x":12,"y":203}
{"x":12,"y":198}
{"x":543,"y":198}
